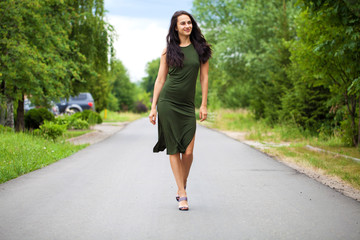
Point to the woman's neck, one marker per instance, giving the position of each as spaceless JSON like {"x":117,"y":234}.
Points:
{"x":184,"y":41}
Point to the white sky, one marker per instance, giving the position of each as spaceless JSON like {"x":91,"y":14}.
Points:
{"x":141,"y":27}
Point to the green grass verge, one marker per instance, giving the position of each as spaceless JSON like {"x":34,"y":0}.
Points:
{"x":121,"y":116}
{"x":243,"y":121}
{"x":334,"y":165}
{"x":75,"y":133}
{"x":21,"y":153}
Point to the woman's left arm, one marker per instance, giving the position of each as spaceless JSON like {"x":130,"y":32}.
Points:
{"x":204,"y":70}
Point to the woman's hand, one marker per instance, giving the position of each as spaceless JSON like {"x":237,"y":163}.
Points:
{"x":152,"y":116}
{"x":203,"y":113}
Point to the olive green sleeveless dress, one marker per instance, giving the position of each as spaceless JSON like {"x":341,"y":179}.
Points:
{"x":176,"y":108}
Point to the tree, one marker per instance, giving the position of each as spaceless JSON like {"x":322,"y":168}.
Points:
{"x":152,"y":69}
{"x":328,"y":50}
{"x":250,"y":57}
{"x":51,"y":49}
{"x":94,"y":38}
{"x":121,"y":87}
{"x":36,"y":53}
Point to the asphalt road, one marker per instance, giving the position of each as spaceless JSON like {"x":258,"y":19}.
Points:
{"x":119,"y":189}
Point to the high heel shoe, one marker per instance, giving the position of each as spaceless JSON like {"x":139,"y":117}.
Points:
{"x":177,"y":196}
{"x":183,"y":208}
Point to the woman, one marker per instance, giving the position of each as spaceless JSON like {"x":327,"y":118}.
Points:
{"x":174,"y":93}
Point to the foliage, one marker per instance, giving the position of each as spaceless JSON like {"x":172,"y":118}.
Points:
{"x":290,"y":62}
{"x":74,"y":121}
{"x":143,"y":98}
{"x":78,"y":124}
{"x":35,"y":117}
{"x":51,"y":49}
{"x":327,"y":52}
{"x":94,"y":39}
{"x":121,"y":116}
{"x":121,"y":87}
{"x":91,"y":117}
{"x":250,"y":55}
{"x":112,"y":103}
{"x":76,"y":133}
{"x":140,"y":107}
{"x":51,"y":130}
{"x":151,"y":70}
{"x":21,"y":153}
{"x":5,"y":129}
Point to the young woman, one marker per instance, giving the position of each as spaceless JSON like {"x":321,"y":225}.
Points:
{"x":187,"y":51}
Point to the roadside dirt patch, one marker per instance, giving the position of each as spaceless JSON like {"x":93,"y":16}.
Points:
{"x":102,"y":131}
{"x":317,"y":174}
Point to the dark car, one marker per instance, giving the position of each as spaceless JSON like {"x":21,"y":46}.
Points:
{"x":78,"y":103}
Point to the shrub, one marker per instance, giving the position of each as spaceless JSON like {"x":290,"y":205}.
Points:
{"x":74,"y":121}
{"x":79,"y":124}
{"x":64,"y":120}
{"x":4,"y":129}
{"x":50,"y":130}
{"x":348,"y":132}
{"x":91,"y":117}
{"x":35,"y":117}
{"x":140,"y":107}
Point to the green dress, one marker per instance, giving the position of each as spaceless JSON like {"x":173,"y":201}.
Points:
{"x":176,"y":108}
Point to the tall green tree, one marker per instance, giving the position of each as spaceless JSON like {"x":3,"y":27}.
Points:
{"x":36,"y":52}
{"x":94,"y":37}
{"x":250,"y":57}
{"x":152,"y":68}
{"x":328,"y":50}
{"x":121,"y":87}
{"x":51,"y":49}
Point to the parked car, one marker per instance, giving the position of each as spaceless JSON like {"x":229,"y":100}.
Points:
{"x":77,"y":103}
{"x":54,"y":109}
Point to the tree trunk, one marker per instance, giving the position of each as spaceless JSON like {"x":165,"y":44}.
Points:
{"x":10,"y":113}
{"x":20,"y":122}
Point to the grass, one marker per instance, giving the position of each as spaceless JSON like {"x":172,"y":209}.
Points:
{"x":331,"y":164}
{"x":21,"y":153}
{"x":334,"y":165}
{"x":121,"y":116}
{"x":75,"y":133}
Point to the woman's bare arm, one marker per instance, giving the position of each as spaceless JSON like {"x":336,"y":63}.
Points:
{"x":204,"y":70}
{"x":159,"y":83}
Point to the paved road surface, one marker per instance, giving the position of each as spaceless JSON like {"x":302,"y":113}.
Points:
{"x":119,"y":189}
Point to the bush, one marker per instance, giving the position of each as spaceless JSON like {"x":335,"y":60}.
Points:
{"x":140,"y":107}
{"x":91,"y":117}
{"x":79,"y":124}
{"x":4,"y":129}
{"x":348,"y":132}
{"x":50,"y":130}
{"x":80,"y":120}
{"x":72,"y":122}
{"x":35,"y":117}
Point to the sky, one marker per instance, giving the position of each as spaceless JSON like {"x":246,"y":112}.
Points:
{"x":141,"y":27}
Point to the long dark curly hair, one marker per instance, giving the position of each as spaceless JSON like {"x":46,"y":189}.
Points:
{"x":174,"y":56}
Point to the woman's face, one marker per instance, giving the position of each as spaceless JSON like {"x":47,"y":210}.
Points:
{"x":184,"y":25}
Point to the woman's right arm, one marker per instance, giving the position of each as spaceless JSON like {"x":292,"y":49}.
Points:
{"x":159,"y":83}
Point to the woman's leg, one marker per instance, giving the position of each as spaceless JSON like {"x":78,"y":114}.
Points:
{"x":187,"y":159}
{"x":177,"y":169}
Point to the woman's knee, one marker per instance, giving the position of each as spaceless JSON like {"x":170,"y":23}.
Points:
{"x":188,"y":154}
